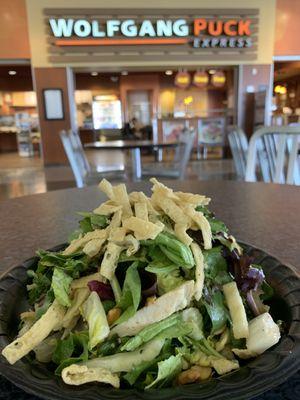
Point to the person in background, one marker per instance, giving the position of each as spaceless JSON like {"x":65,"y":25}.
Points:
{"x":129,"y":130}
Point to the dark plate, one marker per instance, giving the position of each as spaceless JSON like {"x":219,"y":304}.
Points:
{"x":257,"y":376}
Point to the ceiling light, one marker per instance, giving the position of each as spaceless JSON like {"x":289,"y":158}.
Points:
{"x":94,"y":73}
{"x":12,"y":72}
{"x":124,"y":73}
{"x":212,"y":71}
{"x":114,"y":79}
{"x":169,"y":72}
{"x":277,"y":89}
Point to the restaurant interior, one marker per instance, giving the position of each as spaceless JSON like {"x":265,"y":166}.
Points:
{"x":159,"y":103}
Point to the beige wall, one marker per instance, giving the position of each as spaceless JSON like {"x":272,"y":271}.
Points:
{"x":172,"y":100}
{"x":14,"y":40}
{"x":287,"y":41}
{"x":16,"y":46}
{"x":38,"y":38}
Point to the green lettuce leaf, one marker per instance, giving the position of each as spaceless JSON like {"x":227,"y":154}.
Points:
{"x":41,"y":284}
{"x":74,"y":235}
{"x":74,"y":265}
{"x":40,"y":310}
{"x":160,"y":263}
{"x":150,"y":331}
{"x":108,"y":305}
{"x":64,"y":349}
{"x":140,"y":255}
{"x":61,"y":283}
{"x":216,"y":310}
{"x":160,"y":268}
{"x":93,"y":312}
{"x":170,"y":281}
{"x":89,"y":223}
{"x":216,"y":266}
{"x":193,"y":318}
{"x":131,"y":293}
{"x":92,"y":221}
{"x":108,"y":347}
{"x":215,"y":224}
{"x":167,"y":370}
{"x":71,"y":350}
{"x":132,"y":376}
{"x":173,"y":249}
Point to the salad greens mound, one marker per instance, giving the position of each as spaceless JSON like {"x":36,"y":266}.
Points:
{"x":149,"y":292}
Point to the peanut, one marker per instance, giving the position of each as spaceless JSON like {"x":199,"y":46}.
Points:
{"x":205,"y":373}
{"x":150,"y":300}
{"x":113,"y":315}
{"x":27,"y":315}
{"x":194,"y":374}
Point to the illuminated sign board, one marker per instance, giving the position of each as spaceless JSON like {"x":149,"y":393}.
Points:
{"x":201,"y":32}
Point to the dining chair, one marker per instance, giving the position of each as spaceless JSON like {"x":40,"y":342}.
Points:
{"x":83,"y":173}
{"x":277,"y":149}
{"x":177,"y":168}
{"x":238,"y":143}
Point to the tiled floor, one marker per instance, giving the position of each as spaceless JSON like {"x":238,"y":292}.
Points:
{"x":23,"y":176}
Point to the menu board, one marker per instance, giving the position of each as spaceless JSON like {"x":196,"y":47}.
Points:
{"x":211,"y":130}
{"x":172,"y":129}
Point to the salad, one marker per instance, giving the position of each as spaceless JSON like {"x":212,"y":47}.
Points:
{"x":150,"y":292}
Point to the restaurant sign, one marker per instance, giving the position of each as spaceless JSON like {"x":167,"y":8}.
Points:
{"x":201,"y":32}
{"x":109,"y":36}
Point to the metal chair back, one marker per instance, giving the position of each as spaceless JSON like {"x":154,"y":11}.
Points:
{"x":276,"y":148}
{"x":187,"y":139}
{"x":75,"y":158}
{"x":78,"y":148}
{"x":239,"y":147}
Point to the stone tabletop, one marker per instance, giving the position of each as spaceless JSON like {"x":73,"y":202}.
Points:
{"x":264,"y":215}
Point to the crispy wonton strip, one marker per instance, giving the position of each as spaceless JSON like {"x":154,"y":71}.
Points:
{"x":80,"y":374}
{"x":203,"y":224}
{"x":140,"y":197}
{"x":36,"y":334}
{"x":132,"y":245}
{"x":169,"y":207}
{"x":142,"y":230}
{"x":117,"y":235}
{"x":107,"y":188}
{"x":180,"y":232}
{"x":107,"y":208}
{"x":110,"y":260}
{"x":164,"y":190}
{"x":195,"y":199}
{"x":82,"y":282}
{"x":121,"y":197}
{"x":93,"y":247}
{"x":240,"y":326}
{"x":80,"y":295}
{"x":199,"y":271}
{"x":115,"y":221}
{"x":77,"y":244}
{"x":141,"y":210}
{"x":70,"y":327}
{"x":164,"y":306}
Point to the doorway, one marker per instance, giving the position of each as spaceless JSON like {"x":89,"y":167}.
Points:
{"x":139,"y":104}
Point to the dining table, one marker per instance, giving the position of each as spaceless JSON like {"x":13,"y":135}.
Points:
{"x":266,"y":216}
{"x":135,"y":147}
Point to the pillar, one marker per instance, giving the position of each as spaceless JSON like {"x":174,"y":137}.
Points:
{"x":55,"y":78}
{"x":253,"y":79}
